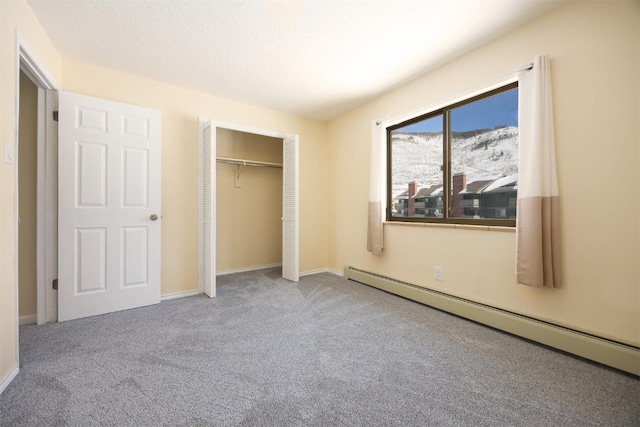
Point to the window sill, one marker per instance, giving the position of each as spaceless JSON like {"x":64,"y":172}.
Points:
{"x":452,"y":226}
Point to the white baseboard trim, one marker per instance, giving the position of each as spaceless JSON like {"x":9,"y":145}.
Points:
{"x":179,"y":295}
{"x":4,"y":382}
{"x":262,"y":267}
{"x":322,"y":270}
{"x":27,"y":320}
{"x":246,"y":269}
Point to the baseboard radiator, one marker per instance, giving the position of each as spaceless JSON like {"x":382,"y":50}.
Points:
{"x":618,"y":355}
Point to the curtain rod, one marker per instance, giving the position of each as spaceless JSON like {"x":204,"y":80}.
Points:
{"x":527,"y":67}
{"x":243,"y":162}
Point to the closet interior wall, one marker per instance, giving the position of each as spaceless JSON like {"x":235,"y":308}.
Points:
{"x":248,"y":207}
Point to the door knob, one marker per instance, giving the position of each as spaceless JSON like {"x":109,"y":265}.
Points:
{"x":153,"y":217}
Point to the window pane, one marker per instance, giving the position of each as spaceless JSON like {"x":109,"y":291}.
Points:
{"x":416,"y":174}
{"x":484,"y":157}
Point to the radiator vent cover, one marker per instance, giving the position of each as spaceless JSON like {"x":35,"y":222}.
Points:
{"x":619,"y":355}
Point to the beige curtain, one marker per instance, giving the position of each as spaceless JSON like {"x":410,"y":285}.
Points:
{"x":537,"y":250}
{"x":377,"y":174}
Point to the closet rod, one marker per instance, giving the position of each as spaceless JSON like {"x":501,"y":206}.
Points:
{"x":243,"y":162}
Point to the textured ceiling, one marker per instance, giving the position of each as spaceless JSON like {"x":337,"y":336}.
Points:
{"x":316,"y":58}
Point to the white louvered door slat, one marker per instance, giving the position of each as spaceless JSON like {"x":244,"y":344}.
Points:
{"x":209,"y":210}
{"x":290,"y":210}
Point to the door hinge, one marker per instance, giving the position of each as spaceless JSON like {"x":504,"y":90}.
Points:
{"x":55,"y":284}
{"x":55,"y":116}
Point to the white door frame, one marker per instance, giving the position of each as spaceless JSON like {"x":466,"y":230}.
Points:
{"x":247,"y":129}
{"x":27,"y":61}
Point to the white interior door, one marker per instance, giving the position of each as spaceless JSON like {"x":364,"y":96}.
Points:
{"x":290,"y":209}
{"x":208,"y":209}
{"x":108,"y":206}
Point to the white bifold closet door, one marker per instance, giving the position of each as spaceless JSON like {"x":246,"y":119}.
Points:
{"x":290,"y":204}
{"x":208,"y":209}
{"x":290,"y":209}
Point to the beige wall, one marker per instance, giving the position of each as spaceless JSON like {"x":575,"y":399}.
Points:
{"x":594,"y":50}
{"x":27,"y":161}
{"x":14,"y":15}
{"x":249,"y":210}
{"x":180,"y":111}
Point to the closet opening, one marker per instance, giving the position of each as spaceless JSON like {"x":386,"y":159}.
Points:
{"x":249,"y":201}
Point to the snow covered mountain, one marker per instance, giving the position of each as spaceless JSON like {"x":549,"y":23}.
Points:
{"x":478,"y":153}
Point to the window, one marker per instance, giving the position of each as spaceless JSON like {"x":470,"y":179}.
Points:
{"x":458,"y":164}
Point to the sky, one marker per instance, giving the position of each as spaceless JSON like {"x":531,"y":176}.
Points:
{"x":498,"y":110}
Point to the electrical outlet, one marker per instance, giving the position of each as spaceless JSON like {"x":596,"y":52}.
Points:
{"x":437,"y":273}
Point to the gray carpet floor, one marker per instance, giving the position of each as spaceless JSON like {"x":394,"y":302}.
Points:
{"x":322,"y":352}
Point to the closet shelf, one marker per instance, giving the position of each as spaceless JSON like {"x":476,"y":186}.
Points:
{"x":243,"y":162}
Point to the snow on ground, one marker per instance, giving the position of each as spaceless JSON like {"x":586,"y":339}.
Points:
{"x":418,"y":156}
